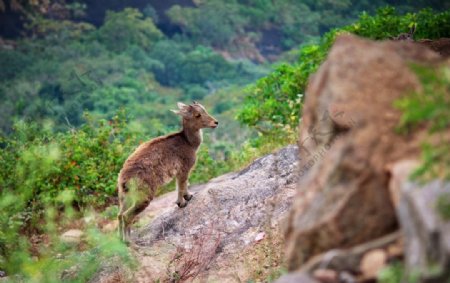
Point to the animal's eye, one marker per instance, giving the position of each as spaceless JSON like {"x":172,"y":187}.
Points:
{"x":198,"y":115}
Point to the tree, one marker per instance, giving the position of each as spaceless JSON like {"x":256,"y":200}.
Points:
{"x":126,"y":28}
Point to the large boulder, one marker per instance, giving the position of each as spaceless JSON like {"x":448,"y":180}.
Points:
{"x":347,"y":141}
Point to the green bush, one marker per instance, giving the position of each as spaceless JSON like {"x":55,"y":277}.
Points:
{"x":275,"y":101}
{"x":46,"y":179}
{"x":214,"y":22}
{"x":388,"y":23}
{"x":85,"y":161}
{"x":127,"y":28}
{"x":429,"y":108}
{"x":393,"y":273}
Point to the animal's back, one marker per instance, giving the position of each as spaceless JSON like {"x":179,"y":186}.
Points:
{"x":162,"y":153}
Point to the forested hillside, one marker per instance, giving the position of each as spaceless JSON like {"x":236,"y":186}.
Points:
{"x":82,"y":83}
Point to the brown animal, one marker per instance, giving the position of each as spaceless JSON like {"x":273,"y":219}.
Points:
{"x":158,"y":161}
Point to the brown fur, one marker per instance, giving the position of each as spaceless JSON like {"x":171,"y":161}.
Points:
{"x":158,"y":161}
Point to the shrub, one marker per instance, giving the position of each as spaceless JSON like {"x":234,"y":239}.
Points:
{"x":127,"y":28}
{"x":32,"y":202}
{"x":429,"y":108}
{"x":84,"y":161}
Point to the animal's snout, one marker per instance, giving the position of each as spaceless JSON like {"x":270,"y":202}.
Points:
{"x":216,"y":122}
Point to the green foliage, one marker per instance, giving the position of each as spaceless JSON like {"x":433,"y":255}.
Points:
{"x":221,"y":23}
{"x":429,"y":108}
{"x":388,"y":23}
{"x":127,"y":28}
{"x":180,"y":64}
{"x":68,"y":70}
{"x":42,"y":178}
{"x":430,"y":105}
{"x":83,"y":161}
{"x":65,"y":263}
{"x":214,"y":22}
{"x":443,"y":206}
{"x":275,"y":101}
{"x":63,"y":163}
{"x":392,"y":273}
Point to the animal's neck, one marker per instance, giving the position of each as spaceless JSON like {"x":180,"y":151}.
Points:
{"x":193,"y":136}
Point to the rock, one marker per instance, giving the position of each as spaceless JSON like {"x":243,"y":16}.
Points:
{"x":347,"y":137}
{"x":230,"y":215}
{"x":349,"y":259}
{"x":372,"y":263}
{"x":400,"y":172}
{"x":395,"y":250}
{"x":426,"y":234}
{"x":260,"y":236}
{"x":72,"y":236}
{"x":441,"y":46}
{"x":346,"y":277}
{"x":296,"y":277}
{"x":325,"y":275}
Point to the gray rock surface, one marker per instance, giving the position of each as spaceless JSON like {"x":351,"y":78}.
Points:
{"x":227,"y":215}
{"x":426,"y":233}
{"x":72,"y":236}
{"x":296,"y":277}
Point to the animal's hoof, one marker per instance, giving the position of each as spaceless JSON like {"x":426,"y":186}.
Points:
{"x":188,"y":197}
{"x":181,"y":204}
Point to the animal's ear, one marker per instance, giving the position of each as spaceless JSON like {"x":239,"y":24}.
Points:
{"x":182,"y":106}
{"x":184,"y":110}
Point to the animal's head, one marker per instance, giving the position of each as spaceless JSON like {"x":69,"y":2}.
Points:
{"x":196,"y":116}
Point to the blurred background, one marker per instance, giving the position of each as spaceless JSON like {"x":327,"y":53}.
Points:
{"x":82,"y":83}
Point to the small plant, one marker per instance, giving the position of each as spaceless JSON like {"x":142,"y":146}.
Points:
{"x":392,"y":273}
{"x":190,"y":260}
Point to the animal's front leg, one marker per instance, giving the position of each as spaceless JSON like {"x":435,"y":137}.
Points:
{"x":183,"y":194}
{"x":187,"y":195}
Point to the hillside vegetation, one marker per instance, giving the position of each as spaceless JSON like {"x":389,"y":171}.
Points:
{"x":78,"y":97}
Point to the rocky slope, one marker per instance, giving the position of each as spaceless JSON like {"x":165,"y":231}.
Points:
{"x":228,"y":231}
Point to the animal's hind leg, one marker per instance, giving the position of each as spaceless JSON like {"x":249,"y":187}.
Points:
{"x":125,"y":219}
{"x":128,"y":214}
